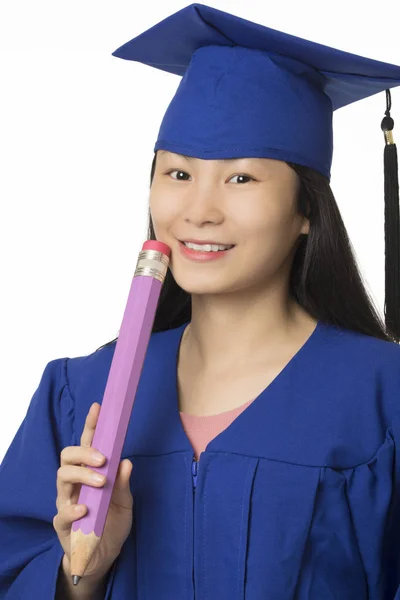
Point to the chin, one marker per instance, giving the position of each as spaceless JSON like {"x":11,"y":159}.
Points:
{"x":201,"y":286}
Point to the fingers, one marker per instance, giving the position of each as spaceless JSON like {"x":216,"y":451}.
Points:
{"x":90,"y":425}
{"x":75,"y":469}
{"x":65,"y":517}
{"x":76,"y":462}
{"x":70,"y":475}
{"x":75,"y":455}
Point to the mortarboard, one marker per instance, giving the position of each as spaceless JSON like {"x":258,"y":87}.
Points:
{"x":251,"y":91}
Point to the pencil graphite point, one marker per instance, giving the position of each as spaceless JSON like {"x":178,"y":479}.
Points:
{"x":75,"y":579}
{"x":82,"y":548}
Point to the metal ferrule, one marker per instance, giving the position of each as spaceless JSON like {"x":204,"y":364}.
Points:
{"x":152,"y":263}
{"x":389,"y":137}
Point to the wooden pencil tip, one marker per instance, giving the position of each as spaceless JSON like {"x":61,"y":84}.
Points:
{"x":75,"y":579}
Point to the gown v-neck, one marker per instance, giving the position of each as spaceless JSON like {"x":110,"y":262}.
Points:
{"x":240,"y":428}
{"x":201,"y":429}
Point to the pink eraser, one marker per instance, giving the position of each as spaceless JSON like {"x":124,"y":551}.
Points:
{"x":155,"y":245}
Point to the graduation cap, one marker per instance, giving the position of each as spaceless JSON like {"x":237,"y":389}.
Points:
{"x":251,"y":91}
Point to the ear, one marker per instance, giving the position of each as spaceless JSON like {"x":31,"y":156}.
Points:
{"x":306,"y":226}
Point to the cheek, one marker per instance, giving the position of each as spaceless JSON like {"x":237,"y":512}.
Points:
{"x":259,"y":224}
{"x":272,"y":217}
{"x":271,"y":231}
{"x":163,"y":209}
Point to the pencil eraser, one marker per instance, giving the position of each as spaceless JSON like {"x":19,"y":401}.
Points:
{"x":156,"y":245}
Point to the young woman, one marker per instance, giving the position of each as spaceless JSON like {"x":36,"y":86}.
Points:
{"x":265,"y":435}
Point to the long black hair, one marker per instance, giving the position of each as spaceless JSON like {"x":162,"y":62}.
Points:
{"x":324,"y":278}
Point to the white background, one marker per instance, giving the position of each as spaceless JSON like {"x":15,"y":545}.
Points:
{"x":77,"y":130}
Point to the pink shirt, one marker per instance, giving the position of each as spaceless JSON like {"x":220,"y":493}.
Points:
{"x":201,"y":430}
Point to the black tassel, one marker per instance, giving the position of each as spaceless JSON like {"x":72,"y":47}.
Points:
{"x":392,"y":228}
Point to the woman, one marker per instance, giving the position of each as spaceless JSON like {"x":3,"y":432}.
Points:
{"x":266,"y":430}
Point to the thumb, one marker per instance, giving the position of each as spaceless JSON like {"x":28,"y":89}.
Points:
{"x":122,"y":479}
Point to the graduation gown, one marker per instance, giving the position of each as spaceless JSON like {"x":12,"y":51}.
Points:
{"x":298,"y":499}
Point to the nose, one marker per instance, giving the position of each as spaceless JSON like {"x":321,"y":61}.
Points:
{"x":203,"y":206}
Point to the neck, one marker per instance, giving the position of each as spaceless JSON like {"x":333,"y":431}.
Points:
{"x":224,"y":336}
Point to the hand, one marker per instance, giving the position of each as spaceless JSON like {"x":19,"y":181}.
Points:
{"x":70,"y":476}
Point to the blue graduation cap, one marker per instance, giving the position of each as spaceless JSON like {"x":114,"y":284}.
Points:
{"x":251,"y":91}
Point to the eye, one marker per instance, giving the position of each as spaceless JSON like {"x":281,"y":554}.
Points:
{"x":241,"y":177}
{"x":180,"y":173}
{"x":183,"y":176}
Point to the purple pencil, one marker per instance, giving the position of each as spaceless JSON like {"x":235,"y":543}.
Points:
{"x":119,"y":395}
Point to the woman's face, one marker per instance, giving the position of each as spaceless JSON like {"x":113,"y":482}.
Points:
{"x":249,"y":202}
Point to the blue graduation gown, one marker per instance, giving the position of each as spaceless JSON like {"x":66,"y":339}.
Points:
{"x":298,"y":499}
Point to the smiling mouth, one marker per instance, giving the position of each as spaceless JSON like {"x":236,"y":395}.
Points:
{"x":229,"y":247}
{"x":202,"y":256}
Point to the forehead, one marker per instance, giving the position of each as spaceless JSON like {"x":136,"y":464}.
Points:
{"x":261,"y":162}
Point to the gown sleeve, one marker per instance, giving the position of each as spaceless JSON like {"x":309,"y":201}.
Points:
{"x":30,"y":551}
{"x":373,"y":492}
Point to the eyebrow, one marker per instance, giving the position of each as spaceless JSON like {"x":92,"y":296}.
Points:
{"x":189,"y":158}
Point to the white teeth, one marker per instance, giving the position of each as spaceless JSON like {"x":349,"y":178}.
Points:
{"x":206,"y":247}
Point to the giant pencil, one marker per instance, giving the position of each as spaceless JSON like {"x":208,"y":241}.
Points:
{"x":118,"y":398}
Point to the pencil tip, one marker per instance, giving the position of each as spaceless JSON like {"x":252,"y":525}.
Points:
{"x":75,"y":579}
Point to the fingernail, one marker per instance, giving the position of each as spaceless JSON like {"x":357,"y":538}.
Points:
{"x":98,"y":477}
{"x":97,"y":457}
